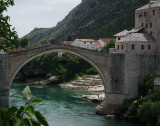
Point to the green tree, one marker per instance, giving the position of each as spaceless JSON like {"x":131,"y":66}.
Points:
{"x":43,"y":42}
{"x":7,"y":35}
{"x":25,"y":115}
{"x":110,"y":44}
{"x":24,"y":42}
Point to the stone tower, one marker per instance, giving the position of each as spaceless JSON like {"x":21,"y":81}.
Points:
{"x":148,"y":17}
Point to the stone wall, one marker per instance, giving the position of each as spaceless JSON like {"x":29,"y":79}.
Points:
{"x":150,"y":22}
{"x":157,"y":84}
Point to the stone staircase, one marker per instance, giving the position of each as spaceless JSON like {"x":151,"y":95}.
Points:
{"x":89,"y":82}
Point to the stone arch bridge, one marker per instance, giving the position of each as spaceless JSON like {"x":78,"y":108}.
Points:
{"x":115,"y":70}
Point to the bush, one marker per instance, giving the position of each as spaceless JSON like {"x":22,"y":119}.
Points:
{"x":122,"y":109}
{"x":109,"y":45}
{"x":148,"y":86}
{"x":149,"y":112}
{"x":25,"y":115}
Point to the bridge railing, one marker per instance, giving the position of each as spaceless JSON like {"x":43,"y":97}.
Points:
{"x":60,"y":46}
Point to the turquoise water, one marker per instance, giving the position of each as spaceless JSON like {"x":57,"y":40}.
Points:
{"x":63,"y":107}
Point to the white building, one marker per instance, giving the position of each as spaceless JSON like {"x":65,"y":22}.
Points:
{"x":85,"y":43}
{"x":104,"y":41}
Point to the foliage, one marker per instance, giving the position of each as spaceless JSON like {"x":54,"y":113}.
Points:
{"x":43,"y":42}
{"x":24,"y":115}
{"x":7,"y":35}
{"x":110,"y":44}
{"x":146,"y":108}
{"x":122,"y":109}
{"x":148,"y":86}
{"x":149,"y":112}
{"x":24,"y":42}
{"x":66,"y":68}
{"x":132,"y":111}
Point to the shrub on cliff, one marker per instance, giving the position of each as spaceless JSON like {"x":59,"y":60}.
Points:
{"x":148,"y":86}
{"x":149,"y":113}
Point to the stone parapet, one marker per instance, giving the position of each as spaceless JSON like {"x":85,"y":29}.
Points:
{"x":157,"y":84}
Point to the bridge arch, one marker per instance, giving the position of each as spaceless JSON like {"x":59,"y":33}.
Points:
{"x":28,"y":58}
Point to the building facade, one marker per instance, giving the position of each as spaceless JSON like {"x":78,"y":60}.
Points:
{"x":145,"y":37}
{"x":85,"y":43}
{"x":104,"y":41}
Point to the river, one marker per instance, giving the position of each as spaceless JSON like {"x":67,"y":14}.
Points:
{"x":63,"y":107}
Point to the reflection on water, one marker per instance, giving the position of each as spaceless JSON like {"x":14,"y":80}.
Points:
{"x":63,"y":108}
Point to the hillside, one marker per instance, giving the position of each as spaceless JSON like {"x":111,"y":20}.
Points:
{"x":91,"y":19}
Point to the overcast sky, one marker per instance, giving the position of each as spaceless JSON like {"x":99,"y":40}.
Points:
{"x":25,"y":15}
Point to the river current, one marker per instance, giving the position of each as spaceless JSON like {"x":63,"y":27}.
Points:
{"x":63,"y":107}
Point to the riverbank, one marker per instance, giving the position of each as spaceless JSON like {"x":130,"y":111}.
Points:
{"x":89,"y":83}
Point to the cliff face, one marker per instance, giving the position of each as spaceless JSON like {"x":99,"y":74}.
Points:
{"x":91,"y":19}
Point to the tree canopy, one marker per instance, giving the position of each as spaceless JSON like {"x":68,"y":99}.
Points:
{"x":109,"y":45}
{"x":7,"y":34}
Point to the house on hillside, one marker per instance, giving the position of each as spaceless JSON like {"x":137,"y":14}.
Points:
{"x":85,"y":43}
{"x":104,"y":41}
{"x":60,"y":54}
{"x":145,"y":37}
{"x":99,"y":47}
{"x":67,"y":43}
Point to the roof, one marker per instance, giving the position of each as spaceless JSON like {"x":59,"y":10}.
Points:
{"x":122,"y":33}
{"x":17,"y":50}
{"x":134,"y":30}
{"x":85,"y":40}
{"x":154,"y":4}
{"x":138,"y":37}
{"x":106,"y":40}
{"x":67,"y":42}
{"x":99,"y":46}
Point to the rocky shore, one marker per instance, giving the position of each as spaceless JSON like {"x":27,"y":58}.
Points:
{"x":41,"y":81}
{"x":90,"y":83}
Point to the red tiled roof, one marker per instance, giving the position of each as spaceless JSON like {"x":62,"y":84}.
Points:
{"x":106,"y":40}
{"x":86,"y":40}
{"x":98,"y":45}
{"x":67,"y":42}
{"x":17,"y":50}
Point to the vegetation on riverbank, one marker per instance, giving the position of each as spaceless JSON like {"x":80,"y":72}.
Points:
{"x":24,"y":115}
{"x":66,"y":68}
{"x":145,"y":108}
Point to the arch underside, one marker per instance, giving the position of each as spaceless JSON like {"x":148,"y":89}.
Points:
{"x":89,"y":60}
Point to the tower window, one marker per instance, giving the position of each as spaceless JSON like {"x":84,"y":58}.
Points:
{"x":146,"y":25}
{"x":122,"y":47}
{"x":145,"y":14}
{"x":151,"y":32}
{"x":153,"y":12}
{"x":133,"y":47}
{"x":119,"y":38}
{"x":142,"y":24}
{"x":150,"y":25}
{"x":149,"y":47}
{"x":118,"y":47}
{"x":142,"y":47}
